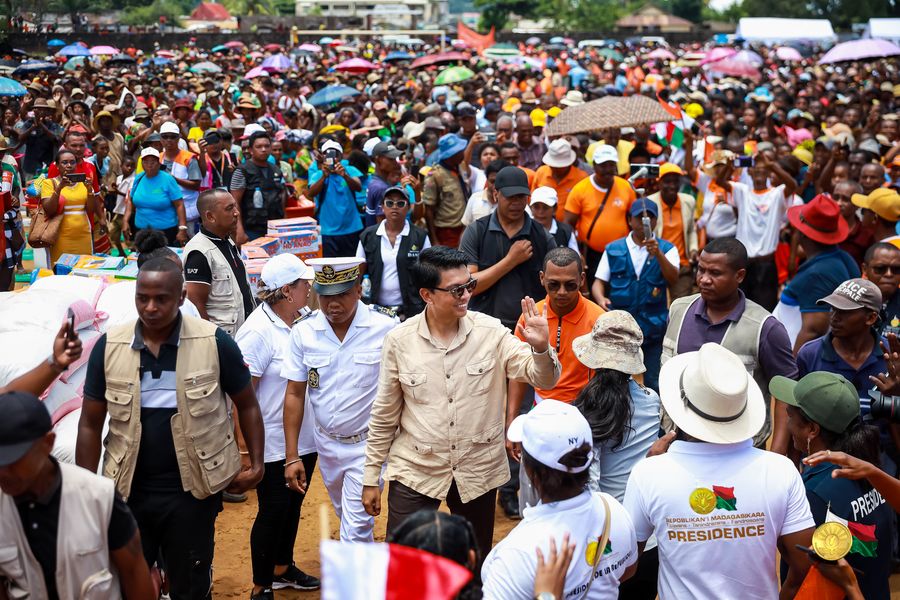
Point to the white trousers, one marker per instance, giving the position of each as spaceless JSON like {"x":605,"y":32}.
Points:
{"x":341,"y":467}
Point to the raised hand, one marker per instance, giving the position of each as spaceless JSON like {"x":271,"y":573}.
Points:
{"x":534,"y":328}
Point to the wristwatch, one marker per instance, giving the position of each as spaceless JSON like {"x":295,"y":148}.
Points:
{"x":545,"y":596}
{"x":55,"y":366}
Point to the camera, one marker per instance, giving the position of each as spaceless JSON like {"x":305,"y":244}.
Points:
{"x":743,"y":162}
{"x":651,"y":172}
{"x":884,"y":407}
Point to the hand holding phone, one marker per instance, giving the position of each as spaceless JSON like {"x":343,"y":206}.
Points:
{"x":76,"y":177}
{"x":71,"y":334}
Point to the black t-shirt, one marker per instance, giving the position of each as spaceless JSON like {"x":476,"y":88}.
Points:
{"x":197,"y":269}
{"x":40,"y":521}
{"x":157,"y":464}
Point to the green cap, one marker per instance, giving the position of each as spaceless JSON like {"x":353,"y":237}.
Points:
{"x":825,"y":398}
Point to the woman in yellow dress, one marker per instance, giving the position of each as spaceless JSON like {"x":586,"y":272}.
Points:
{"x":76,"y":201}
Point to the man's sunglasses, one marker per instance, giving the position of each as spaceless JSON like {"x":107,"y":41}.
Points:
{"x":395,"y":204}
{"x":570,"y":286}
{"x":169,"y":136}
{"x":457,"y":291}
{"x":882,"y":269}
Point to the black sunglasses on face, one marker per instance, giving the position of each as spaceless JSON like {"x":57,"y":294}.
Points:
{"x":457,"y":291}
{"x":570,"y":286}
{"x":882,"y":269}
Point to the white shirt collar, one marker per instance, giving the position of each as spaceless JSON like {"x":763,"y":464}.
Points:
{"x":553,"y":227}
{"x":276,"y":320}
{"x":383,"y":230}
{"x":632,"y":245}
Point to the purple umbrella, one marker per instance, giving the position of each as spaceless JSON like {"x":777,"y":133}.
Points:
{"x":277,"y":62}
{"x":255,"y":72}
{"x":786,"y":53}
{"x":860,"y":49}
{"x":717,"y":54}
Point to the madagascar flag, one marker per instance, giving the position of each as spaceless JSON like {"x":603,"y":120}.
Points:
{"x":864,"y":541}
{"x":608,"y":548}
{"x":725,"y":497}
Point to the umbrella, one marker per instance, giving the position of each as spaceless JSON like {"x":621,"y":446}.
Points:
{"x":691,"y":59}
{"x":256,"y":72}
{"x":610,"y":54}
{"x":220,"y":48}
{"x":255,"y":55}
{"x":326,"y":40}
{"x":272,"y":47}
{"x":206,"y":67}
{"x":55,"y":43}
{"x":452,"y":75}
{"x":392,"y":56}
{"x":160,"y":61}
{"x":11,"y":87}
{"x":436,"y":59}
{"x":277,"y":62}
{"x":533,"y":41}
{"x":860,"y":49}
{"x":355,"y":65}
{"x":331,"y":95}
{"x":717,"y":53}
{"x":311,"y":48}
{"x":122,"y":59}
{"x":34,"y":66}
{"x":748,"y":56}
{"x":346,"y":49}
{"x":525,"y":61}
{"x":787,"y":54}
{"x":235,"y":44}
{"x":74,"y":50}
{"x":74,"y":63}
{"x":104,"y":51}
{"x":735,"y":68}
{"x":168,"y":53}
{"x":661,"y":53}
{"x":459,"y":44}
{"x":501,"y":50}
{"x":557,"y":40}
{"x":607,"y":112}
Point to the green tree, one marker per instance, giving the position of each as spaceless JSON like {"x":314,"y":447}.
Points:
{"x":73,"y":8}
{"x":150,"y":14}
{"x":251,"y":7}
{"x":495,"y":13}
{"x":692,"y":10}
{"x":581,"y":15}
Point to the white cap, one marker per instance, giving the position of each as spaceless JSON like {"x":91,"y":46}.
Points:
{"x":284,"y":269}
{"x":253,"y":128}
{"x":150,"y":152}
{"x":550,"y":431}
{"x":605,"y":153}
{"x":169,"y":127}
{"x":369,"y":146}
{"x":333,"y":145}
{"x":626,"y":131}
{"x":545,"y":195}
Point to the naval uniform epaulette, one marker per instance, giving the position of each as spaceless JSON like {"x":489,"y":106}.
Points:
{"x":390,"y":312}
{"x":305,"y":317}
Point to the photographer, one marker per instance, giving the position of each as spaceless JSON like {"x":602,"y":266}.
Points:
{"x":333,"y":183}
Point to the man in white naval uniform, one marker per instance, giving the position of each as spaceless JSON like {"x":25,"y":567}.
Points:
{"x":335,"y":354}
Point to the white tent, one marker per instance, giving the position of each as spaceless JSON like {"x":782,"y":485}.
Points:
{"x":885,"y":29}
{"x":769,"y":30}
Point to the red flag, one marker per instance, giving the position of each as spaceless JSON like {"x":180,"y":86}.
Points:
{"x":473,"y":38}
{"x":670,"y":107}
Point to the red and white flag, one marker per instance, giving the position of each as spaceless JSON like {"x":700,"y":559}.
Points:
{"x":363,"y":571}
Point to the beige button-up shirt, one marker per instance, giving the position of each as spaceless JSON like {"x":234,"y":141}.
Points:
{"x":439,"y":413}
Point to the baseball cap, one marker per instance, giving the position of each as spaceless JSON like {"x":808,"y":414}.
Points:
{"x":465,"y":111}
{"x":824,"y":398}
{"x":605,"y":153}
{"x":854,"y":294}
{"x":545,"y":195}
{"x":253,"y":128}
{"x":397,"y":189}
{"x":370,"y":144}
{"x":386,"y":150}
{"x":434,"y":123}
{"x":538,"y":118}
{"x":668,"y":169}
{"x":25,"y":421}
{"x":150,"y":152}
{"x":641,"y":204}
{"x":169,"y":127}
{"x":550,"y":431}
{"x":380,"y":105}
{"x":284,"y":269}
{"x":331,"y":145}
{"x":884,"y":202}
{"x":512,"y":181}
{"x":153,"y":137}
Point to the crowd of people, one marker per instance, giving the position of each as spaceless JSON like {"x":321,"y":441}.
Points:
{"x":651,"y":344}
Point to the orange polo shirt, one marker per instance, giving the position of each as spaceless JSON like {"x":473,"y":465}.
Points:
{"x":584,"y":200}
{"x":578,"y":322}
{"x":673,"y":228}
{"x":544,"y":177}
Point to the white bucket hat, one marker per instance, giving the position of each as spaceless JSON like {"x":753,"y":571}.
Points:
{"x":572,"y":98}
{"x":710,"y":395}
{"x":559,"y":154}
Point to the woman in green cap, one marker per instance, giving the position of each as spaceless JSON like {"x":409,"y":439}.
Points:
{"x":824,"y":416}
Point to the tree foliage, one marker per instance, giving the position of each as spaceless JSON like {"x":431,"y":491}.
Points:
{"x":150,"y":14}
{"x":251,"y":7}
{"x":495,"y":13}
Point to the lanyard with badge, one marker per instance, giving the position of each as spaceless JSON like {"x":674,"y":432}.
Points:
{"x":601,"y":546}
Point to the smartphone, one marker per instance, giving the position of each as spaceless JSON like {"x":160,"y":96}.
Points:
{"x":77,"y":177}
{"x":652,"y":170}
{"x":71,"y":334}
{"x":648,"y":231}
{"x":743,"y":162}
{"x":489,"y":136}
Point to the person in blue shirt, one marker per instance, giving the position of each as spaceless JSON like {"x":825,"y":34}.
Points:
{"x":333,"y":183}
{"x":821,"y":227}
{"x":156,"y":201}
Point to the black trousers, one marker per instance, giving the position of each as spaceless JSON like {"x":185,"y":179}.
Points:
{"x":643,"y":585}
{"x":404,"y":501}
{"x":591,"y":261}
{"x":275,"y":528}
{"x":182,"y":529}
{"x":761,"y":282}
{"x":511,"y":487}
{"x":340,"y":245}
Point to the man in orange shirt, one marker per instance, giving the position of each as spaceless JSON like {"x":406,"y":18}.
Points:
{"x":676,"y":224}
{"x":569,"y":315}
{"x":559,"y":172}
{"x":597,"y":207}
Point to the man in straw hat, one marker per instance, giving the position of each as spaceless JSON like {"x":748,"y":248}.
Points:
{"x":713,"y":494}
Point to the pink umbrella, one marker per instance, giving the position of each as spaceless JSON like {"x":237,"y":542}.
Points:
{"x":662,"y":54}
{"x":355,"y":65}
{"x":735,"y":68}
{"x":256,"y":72}
{"x":165,"y":53}
{"x":104,"y":50}
{"x":860,"y":49}
{"x":786,"y":53}
{"x":747,"y":56}
{"x":314,"y":48}
{"x":234,"y":44}
{"x":717,"y":54}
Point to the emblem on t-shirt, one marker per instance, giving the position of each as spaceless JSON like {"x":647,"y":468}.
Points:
{"x":313,"y":378}
{"x":590,"y":553}
{"x":863,"y":541}
{"x":704,"y":500}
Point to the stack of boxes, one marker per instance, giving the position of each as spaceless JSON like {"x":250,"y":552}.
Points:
{"x":299,"y":236}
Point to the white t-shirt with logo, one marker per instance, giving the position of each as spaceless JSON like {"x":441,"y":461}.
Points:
{"x":760,"y":218}
{"x":717,"y":511}
{"x":508,"y":571}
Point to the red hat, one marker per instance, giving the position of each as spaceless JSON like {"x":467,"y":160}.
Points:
{"x":183,"y":103}
{"x":820,"y":220}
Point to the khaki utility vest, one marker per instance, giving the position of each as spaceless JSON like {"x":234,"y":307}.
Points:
{"x":225,"y":305}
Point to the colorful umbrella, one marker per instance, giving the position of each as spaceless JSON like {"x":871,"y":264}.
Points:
{"x":74,"y":50}
{"x":34,"y":66}
{"x":717,"y":53}
{"x":235,"y":44}
{"x":332,"y":95}
{"x":272,"y":47}
{"x":277,"y":62}
{"x":661,"y":54}
{"x":748,"y":56}
{"x":168,"y":53}
{"x":610,"y":111}
{"x":206,"y":67}
{"x":11,"y":87}
{"x":397,"y":56}
{"x":160,"y":61}
{"x":436,"y":59}
{"x":121,"y":59}
{"x":55,"y":43}
{"x":734,"y":68}
{"x":501,"y":50}
{"x":355,"y":65}
{"x":326,"y":40}
{"x":557,"y":40}
{"x":104,"y":51}
{"x":75,"y":62}
{"x":311,"y":48}
{"x":533,"y":41}
{"x":220,"y":48}
{"x":453,"y":75}
{"x":256,"y":72}
{"x":788,"y":54}
{"x":859,"y":50}
{"x":610,"y":54}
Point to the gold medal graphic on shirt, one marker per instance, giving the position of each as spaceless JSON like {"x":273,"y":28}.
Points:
{"x":702,"y":500}
{"x":832,"y":540}
{"x":313,"y":378}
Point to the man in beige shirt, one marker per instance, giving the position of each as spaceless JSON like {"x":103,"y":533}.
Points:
{"x":438,"y":417}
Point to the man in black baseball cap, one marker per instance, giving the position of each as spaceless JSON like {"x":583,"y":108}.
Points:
{"x":52,"y":561}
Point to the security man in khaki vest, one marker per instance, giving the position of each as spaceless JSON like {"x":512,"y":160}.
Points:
{"x":64,"y":532}
{"x":216,"y":279}
{"x":171,"y":446}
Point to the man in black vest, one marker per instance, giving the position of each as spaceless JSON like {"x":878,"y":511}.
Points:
{"x":390,"y":249}
{"x":257,"y":174}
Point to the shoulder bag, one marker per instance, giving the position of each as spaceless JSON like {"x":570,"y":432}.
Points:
{"x":45,"y":229}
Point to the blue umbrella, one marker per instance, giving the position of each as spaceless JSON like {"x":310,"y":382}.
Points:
{"x":74,"y":50}
{"x":56,"y":43}
{"x":219,"y":48}
{"x":277,"y":62}
{"x":398,"y":56}
{"x":159,"y":61}
{"x":11,"y":87}
{"x":557,"y":40}
{"x":34,"y":66}
{"x":74,"y":63}
{"x":332,"y":95}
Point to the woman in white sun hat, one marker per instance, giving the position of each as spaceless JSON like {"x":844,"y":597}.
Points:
{"x":720,"y":509}
{"x":556,"y":456}
{"x":263,"y":339}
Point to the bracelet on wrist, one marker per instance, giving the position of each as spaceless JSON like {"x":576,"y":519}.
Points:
{"x":244,"y":452}
{"x":290,"y":462}
{"x":182,"y":227}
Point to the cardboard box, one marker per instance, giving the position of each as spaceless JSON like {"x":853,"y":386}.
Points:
{"x":254,"y":270}
{"x":269,"y":245}
{"x":101,"y":263}
{"x":295,"y":242}
{"x":292,"y":224}
{"x":253,"y":252}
